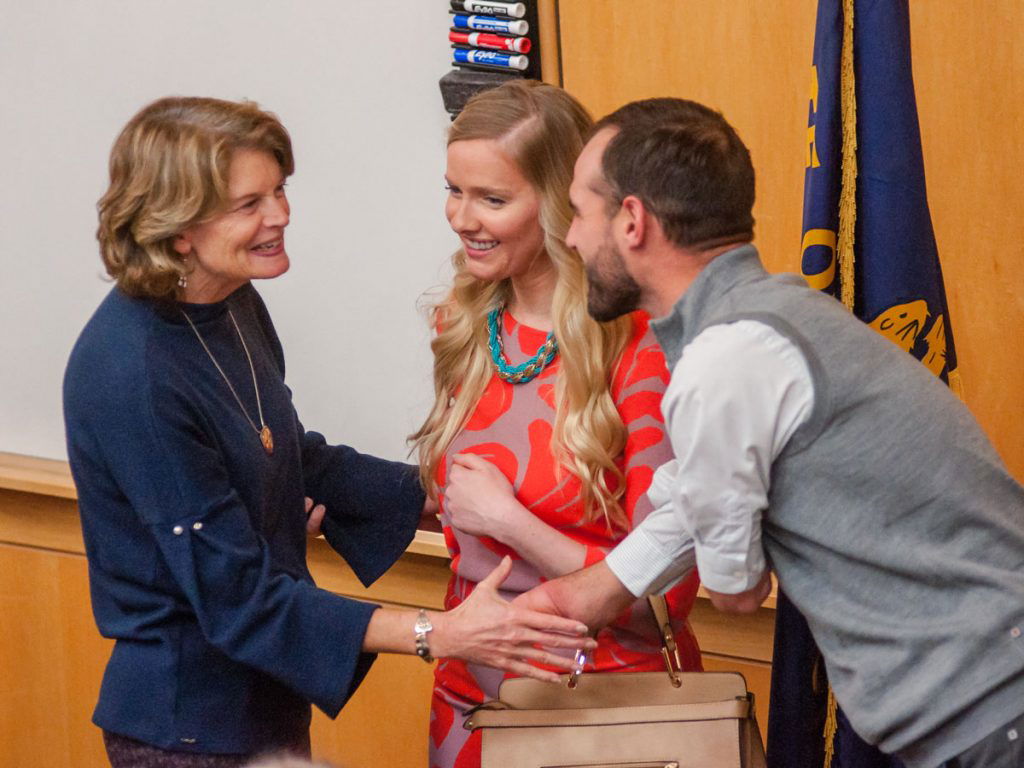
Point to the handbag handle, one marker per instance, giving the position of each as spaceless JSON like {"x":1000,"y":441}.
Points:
{"x":669,"y":649}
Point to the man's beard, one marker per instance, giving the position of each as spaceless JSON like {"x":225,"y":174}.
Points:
{"x":611,"y":291}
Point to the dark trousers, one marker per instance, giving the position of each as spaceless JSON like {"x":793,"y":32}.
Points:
{"x":1003,"y":748}
{"x":124,"y":752}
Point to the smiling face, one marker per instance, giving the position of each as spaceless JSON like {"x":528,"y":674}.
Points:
{"x":494,"y":210}
{"x":246,"y":241}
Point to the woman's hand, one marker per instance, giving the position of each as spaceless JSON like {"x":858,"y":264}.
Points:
{"x":314,"y":517}
{"x":479,"y":499}
{"x":431,"y":510}
{"x":485,"y":629}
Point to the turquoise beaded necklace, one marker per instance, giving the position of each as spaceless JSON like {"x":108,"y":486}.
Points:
{"x":524,"y":372}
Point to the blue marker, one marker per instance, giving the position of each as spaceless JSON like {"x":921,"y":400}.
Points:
{"x":491,"y":24}
{"x":493,"y":58}
{"x":515,"y":10}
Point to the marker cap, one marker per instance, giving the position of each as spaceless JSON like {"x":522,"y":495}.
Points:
{"x":490,"y":58}
{"x":516,"y":10}
{"x":491,"y":24}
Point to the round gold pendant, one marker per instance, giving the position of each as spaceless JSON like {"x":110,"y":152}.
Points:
{"x":267,"y":439}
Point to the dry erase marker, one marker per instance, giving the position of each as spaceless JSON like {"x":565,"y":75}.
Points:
{"x":516,"y":10}
{"x":463,"y":56}
{"x":486,"y":40}
{"x":491,"y":24}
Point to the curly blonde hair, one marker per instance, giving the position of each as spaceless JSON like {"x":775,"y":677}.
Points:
{"x":169,"y":171}
{"x":542,"y":129}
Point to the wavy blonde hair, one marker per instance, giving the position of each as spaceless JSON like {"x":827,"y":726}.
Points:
{"x":542,"y":129}
{"x":168,"y":171}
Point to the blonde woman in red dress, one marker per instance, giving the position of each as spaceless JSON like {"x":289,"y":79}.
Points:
{"x":546,"y":429}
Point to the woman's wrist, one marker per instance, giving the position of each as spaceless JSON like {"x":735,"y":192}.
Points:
{"x":512,"y":520}
{"x":391,"y":630}
{"x":439,"y":638}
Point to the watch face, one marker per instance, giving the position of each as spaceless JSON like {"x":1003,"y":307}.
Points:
{"x":423,"y":623}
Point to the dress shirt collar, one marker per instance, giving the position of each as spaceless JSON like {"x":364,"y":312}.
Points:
{"x":726,"y":270}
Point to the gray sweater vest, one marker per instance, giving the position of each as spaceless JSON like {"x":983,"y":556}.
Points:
{"x":892,"y":523}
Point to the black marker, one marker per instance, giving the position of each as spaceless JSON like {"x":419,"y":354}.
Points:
{"x":516,"y":10}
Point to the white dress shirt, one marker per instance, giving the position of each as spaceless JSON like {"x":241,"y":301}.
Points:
{"x":737,"y":395}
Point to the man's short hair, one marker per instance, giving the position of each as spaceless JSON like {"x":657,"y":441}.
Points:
{"x":687,"y":165}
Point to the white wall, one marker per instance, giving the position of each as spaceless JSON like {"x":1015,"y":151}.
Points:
{"x":356,"y":85}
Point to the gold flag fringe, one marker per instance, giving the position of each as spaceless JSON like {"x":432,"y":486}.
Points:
{"x":830,"y":728}
{"x":956,"y":383}
{"x":848,"y":190}
{"x":844,"y":247}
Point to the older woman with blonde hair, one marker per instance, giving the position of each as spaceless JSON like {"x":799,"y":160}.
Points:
{"x":191,"y":466}
{"x":546,"y":427}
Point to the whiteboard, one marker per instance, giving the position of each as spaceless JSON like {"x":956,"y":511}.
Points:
{"x":356,"y":86}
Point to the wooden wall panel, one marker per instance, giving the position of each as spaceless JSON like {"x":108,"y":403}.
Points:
{"x":751,"y":60}
{"x":969,"y":76}
{"x":51,"y":660}
{"x":384,"y":723}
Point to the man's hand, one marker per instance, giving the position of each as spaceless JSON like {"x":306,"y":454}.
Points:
{"x":744,"y":602}
{"x":593,"y":596}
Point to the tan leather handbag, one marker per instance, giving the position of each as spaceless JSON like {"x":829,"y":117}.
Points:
{"x":623,"y":720}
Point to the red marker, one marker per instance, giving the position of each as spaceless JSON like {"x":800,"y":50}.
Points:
{"x":487,"y":40}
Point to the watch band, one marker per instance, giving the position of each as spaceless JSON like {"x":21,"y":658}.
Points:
{"x":421,"y":628}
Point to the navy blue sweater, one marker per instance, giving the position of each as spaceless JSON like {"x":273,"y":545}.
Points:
{"x":195,"y":537}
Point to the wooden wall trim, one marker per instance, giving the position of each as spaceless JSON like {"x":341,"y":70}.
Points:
{"x":52,"y":478}
{"x":48,"y":477}
{"x":550,"y":42}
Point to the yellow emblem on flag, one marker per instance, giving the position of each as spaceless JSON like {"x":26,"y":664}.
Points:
{"x":904,"y":324}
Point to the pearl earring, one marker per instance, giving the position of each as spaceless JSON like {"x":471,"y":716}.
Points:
{"x":183,"y":277}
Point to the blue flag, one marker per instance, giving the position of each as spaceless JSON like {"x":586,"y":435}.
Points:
{"x":868,"y":240}
{"x":896,"y":278}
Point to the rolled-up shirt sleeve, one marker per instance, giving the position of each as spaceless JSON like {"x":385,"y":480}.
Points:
{"x":737,"y":395}
{"x":657,"y":552}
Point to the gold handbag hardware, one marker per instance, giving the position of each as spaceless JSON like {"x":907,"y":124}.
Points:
{"x":669,"y":649}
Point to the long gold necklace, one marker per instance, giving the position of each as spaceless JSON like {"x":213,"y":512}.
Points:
{"x":266,"y":437}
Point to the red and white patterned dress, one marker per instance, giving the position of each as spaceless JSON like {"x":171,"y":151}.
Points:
{"x":511,"y":426}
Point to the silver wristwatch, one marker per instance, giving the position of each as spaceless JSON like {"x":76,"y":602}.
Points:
{"x":421,"y":628}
